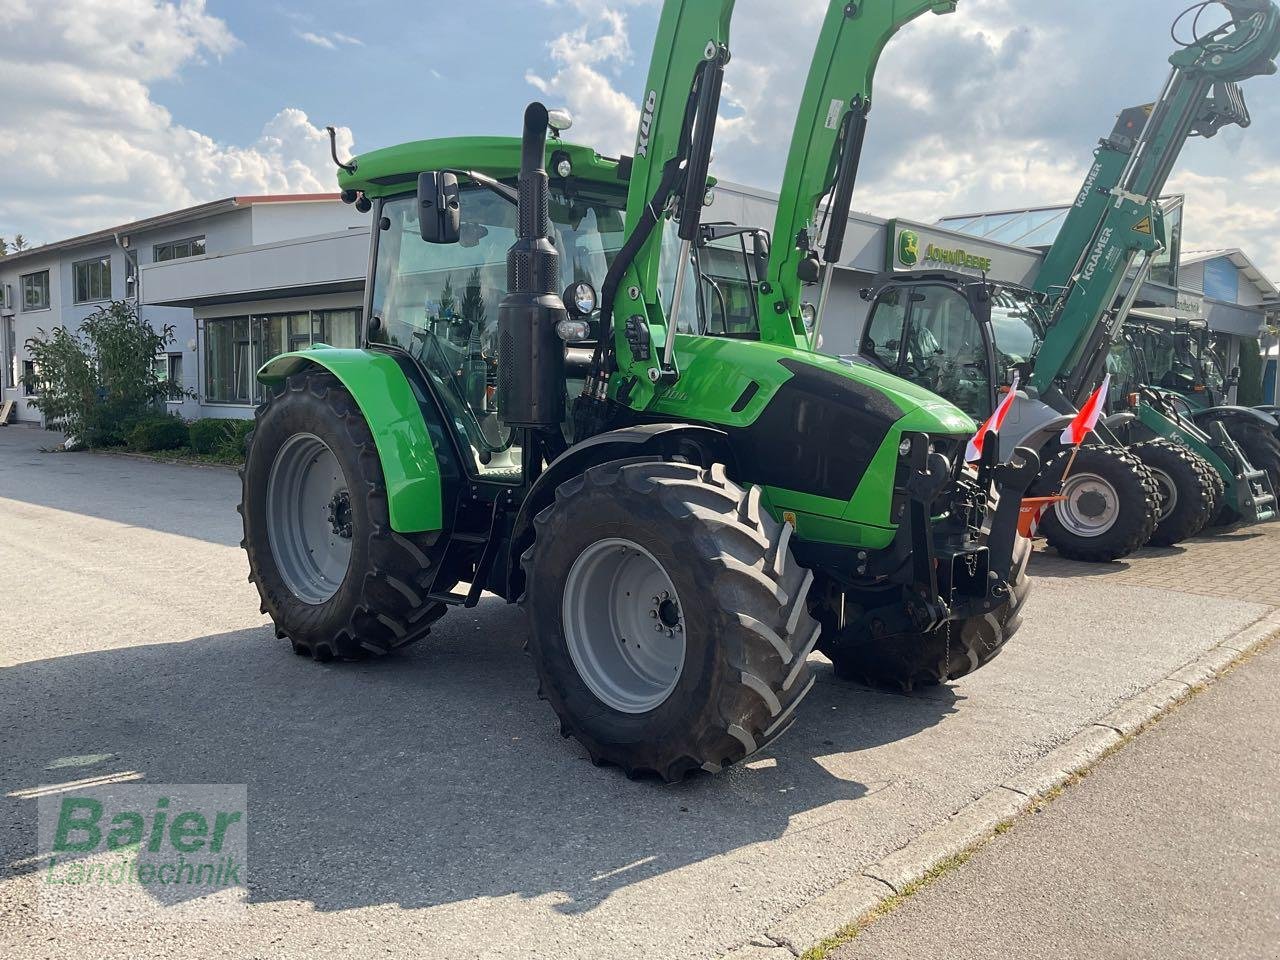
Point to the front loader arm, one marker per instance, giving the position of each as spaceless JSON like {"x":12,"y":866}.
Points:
{"x":824,"y":155}
{"x":668,"y":177}
{"x":1115,"y":223}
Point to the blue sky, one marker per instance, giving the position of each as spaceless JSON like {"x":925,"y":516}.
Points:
{"x":118,"y":109}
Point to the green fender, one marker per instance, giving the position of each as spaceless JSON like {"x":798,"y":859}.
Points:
{"x":384,"y":396}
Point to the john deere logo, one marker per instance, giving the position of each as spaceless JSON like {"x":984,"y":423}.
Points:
{"x":908,"y":248}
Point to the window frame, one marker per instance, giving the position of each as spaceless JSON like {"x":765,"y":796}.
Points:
{"x":173,"y":245}
{"x":75,"y":279}
{"x":22,"y":290}
{"x":255,"y":340}
{"x":27,"y":392}
{"x":169,"y":357}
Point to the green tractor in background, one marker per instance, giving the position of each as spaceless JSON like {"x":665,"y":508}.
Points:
{"x":717,"y":498}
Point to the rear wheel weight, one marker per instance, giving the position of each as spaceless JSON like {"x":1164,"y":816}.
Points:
{"x":707,"y":681}
{"x":1187,"y":495}
{"x":1115,"y":506}
{"x":334,"y":577}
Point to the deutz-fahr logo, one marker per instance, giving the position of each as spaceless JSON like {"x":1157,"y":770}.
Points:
{"x":908,"y":248}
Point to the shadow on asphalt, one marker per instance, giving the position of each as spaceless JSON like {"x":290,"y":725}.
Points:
{"x":199,"y":502}
{"x":429,"y":778}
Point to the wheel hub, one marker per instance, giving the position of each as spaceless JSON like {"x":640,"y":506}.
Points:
{"x":624,"y":625}
{"x":1168,"y":492}
{"x":1091,"y":506}
{"x":309,"y":518}
{"x":338,"y":513}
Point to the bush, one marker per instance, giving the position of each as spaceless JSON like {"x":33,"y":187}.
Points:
{"x":209,"y":436}
{"x":93,"y":382}
{"x":159,"y":433}
{"x":1249,"y":393}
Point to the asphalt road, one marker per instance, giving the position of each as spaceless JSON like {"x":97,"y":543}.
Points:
{"x":1169,"y":849}
{"x":426,"y":804}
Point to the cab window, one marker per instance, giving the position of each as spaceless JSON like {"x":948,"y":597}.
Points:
{"x":944,"y":350}
{"x":883,"y":337}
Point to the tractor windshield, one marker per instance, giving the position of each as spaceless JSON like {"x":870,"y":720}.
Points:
{"x":1015,"y":326}
{"x":440,"y":302}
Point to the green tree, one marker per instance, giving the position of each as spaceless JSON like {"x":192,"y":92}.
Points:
{"x":1249,"y":393}
{"x":4,"y":247}
{"x":97,"y":382}
{"x":19,"y":242}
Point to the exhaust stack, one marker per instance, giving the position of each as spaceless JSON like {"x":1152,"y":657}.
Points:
{"x":531,"y":391}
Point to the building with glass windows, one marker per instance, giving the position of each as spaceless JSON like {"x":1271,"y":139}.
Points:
{"x":62,"y":283}
{"x":244,"y":279}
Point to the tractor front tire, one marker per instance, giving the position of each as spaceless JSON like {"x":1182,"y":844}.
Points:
{"x":668,"y":620}
{"x":1112,"y":506}
{"x":1188,"y":499}
{"x":910,"y":661}
{"x":334,"y":577}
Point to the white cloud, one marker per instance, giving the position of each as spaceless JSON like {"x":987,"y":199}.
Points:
{"x":587,"y":62}
{"x":330,"y":40}
{"x":91,"y":148}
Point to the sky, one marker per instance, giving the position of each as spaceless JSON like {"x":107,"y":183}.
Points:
{"x":120,"y":109}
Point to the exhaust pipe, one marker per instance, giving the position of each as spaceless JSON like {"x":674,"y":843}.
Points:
{"x":531,"y":371}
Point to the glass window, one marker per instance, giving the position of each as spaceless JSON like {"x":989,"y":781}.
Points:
{"x":1016,"y":328}
{"x":92,"y":280}
{"x":29,"y":378}
{"x":168,"y":369}
{"x":728,"y":284}
{"x":883,"y":338}
{"x":440,"y":302}
{"x":35,"y":291}
{"x":235,"y":347}
{"x":1164,"y":269}
{"x":11,"y":376}
{"x":337,"y":328}
{"x":945,"y":351}
{"x":178,"y":249}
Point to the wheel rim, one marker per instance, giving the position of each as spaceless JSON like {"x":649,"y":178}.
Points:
{"x":309,"y":518}
{"x":1168,"y":491}
{"x":1091,"y":507}
{"x":624,"y":626}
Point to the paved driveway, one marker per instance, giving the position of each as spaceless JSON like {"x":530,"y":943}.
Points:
{"x":426,"y":805}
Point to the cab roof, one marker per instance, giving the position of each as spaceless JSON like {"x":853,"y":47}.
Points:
{"x":392,"y":170}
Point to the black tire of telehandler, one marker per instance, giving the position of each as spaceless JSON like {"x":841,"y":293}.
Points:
{"x":748,"y":634}
{"x":382,"y":604}
{"x":1262,"y":450}
{"x":1135,"y":488}
{"x":911,"y":661}
{"x":1189,"y":486}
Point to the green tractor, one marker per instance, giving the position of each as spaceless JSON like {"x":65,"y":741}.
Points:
{"x":714,"y":500}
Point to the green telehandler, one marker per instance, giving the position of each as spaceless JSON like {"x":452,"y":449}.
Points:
{"x":716,"y":492}
{"x":964,"y":336}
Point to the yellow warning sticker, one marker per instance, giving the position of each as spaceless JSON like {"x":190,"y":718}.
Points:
{"x":789,"y":517}
{"x":1143,"y":226}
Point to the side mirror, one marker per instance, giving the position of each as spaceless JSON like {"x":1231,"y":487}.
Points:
{"x":439,"y":207}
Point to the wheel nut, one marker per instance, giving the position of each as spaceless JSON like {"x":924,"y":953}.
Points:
{"x":653,"y":614}
{"x":671,"y":633}
{"x":658,"y":627}
{"x":665,"y":595}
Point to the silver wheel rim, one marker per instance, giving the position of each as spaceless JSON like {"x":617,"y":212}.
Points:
{"x":1168,"y":494}
{"x":624,"y":626}
{"x":1091,"y":507}
{"x":309,"y":518}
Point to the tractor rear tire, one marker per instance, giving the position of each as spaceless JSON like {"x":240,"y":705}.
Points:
{"x":668,"y":620}
{"x":1113,"y":506}
{"x":911,"y":661}
{"x":365,"y":590}
{"x":1187,"y":497}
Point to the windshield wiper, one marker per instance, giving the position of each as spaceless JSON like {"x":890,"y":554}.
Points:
{"x":497,"y":186}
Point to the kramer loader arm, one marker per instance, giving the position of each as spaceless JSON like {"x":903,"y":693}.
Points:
{"x":823,"y":161}
{"x":1116,"y":225}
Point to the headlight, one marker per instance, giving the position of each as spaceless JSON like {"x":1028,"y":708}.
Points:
{"x":573,"y":331}
{"x":809,"y":315}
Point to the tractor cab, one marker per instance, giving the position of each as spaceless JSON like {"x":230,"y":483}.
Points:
{"x":959,"y":336}
{"x":435,"y":297}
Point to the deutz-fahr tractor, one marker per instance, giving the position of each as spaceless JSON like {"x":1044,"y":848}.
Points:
{"x":715,"y":497}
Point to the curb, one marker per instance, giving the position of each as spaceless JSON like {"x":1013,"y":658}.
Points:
{"x":856,"y":899}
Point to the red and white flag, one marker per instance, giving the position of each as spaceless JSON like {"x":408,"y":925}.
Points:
{"x":993,"y":424}
{"x":1087,"y":419}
